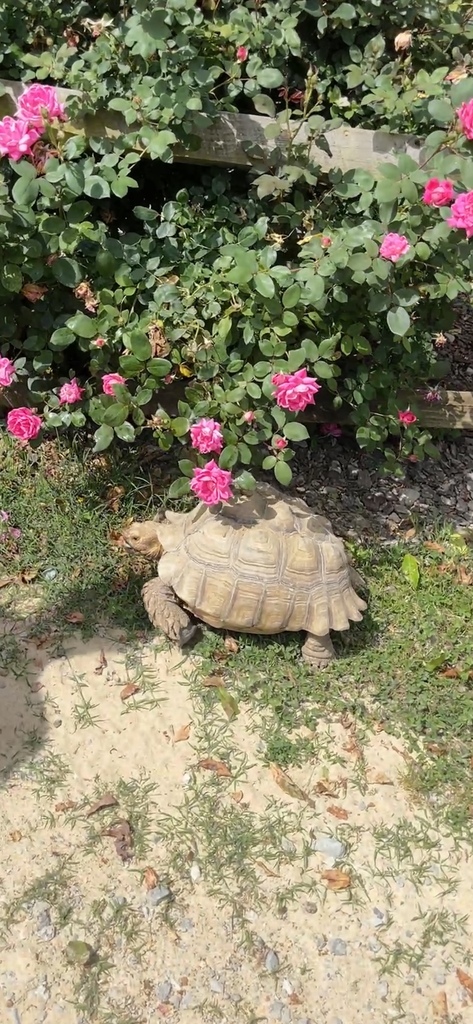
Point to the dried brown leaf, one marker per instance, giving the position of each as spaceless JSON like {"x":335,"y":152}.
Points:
{"x":325,"y":788}
{"x":182,"y":733}
{"x":6,"y":580}
{"x":457,"y":74}
{"x":237,"y":796}
{"x":338,"y":812}
{"x":28,"y":575}
{"x":440,"y":1007}
{"x":150,"y":878}
{"x":336,"y":880}
{"x":410,"y":534}
{"x":436,"y":748}
{"x":16,"y":836}
{"x":219,"y":767}
{"x":75,"y":617}
{"x":293,"y":999}
{"x":353,"y":747}
{"x":215,"y":680}
{"x":432,"y":545}
{"x":379,"y":779}
{"x":102,"y":663}
{"x":450,"y":673}
{"x":464,"y":577}
{"x":122,"y":834}
{"x":266,"y":869}
{"x":114,"y":496}
{"x":129,"y":691}
{"x":65,"y":805}
{"x":230,"y":645}
{"x":466,"y":981}
{"x":107,"y":800}
{"x":288,"y":786}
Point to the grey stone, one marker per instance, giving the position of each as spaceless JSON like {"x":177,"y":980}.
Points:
{"x":118,"y":901}
{"x":164,"y":991}
{"x":364,"y":480}
{"x":380,"y":918}
{"x":217,"y":986}
{"x":46,"y":934}
{"x":234,"y":997}
{"x":374,"y":945}
{"x":161,"y":894}
{"x":188,"y":1001}
{"x":409,"y":495}
{"x":44,"y":919}
{"x":310,"y":908}
{"x":328,"y":847}
{"x":271,"y":962}
{"x":383,"y":989}
{"x":338,"y":947}
{"x":185,"y":924}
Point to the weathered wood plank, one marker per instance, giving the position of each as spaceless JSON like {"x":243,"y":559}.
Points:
{"x":454,"y":411}
{"x":238,"y":140}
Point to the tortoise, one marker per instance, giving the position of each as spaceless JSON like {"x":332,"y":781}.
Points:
{"x":262,"y":563}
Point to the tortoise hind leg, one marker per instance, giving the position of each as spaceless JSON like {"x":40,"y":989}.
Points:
{"x":318,"y":650}
{"x":165,"y":612}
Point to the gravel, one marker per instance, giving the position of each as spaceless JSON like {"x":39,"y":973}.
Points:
{"x":161,"y":894}
{"x":338,"y":947}
{"x":271,"y":962}
{"x":164,"y":992}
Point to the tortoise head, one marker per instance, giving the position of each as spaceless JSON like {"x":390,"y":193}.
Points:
{"x":143,"y":538}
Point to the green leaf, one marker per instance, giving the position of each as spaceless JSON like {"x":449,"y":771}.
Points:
{"x":441,"y":111}
{"x":159,"y":143}
{"x":62,"y":338}
{"x":11,"y":277}
{"x":159,"y":367}
{"x":228,"y":457}
{"x":82,"y":325}
{"x":67,"y":271}
{"x":295,"y":432}
{"x":399,"y":321}
{"x":140,"y":345}
{"x":387,"y":190}
{"x":228,"y":702}
{"x":438,"y":661}
{"x":96,"y":187}
{"x":346,"y":12}
{"x":179,"y":426}
{"x":269,"y":78}
{"x":291,"y":296}
{"x":125,"y":431}
{"x":283,"y":473}
{"x":269,"y":462}
{"x":178,"y":488}
{"x":131,"y":365}
{"x":245,"y":481}
{"x":25,"y":192}
{"x":186,"y":467}
{"x":410,"y":569}
{"x":264,"y":105}
{"x":103,"y":438}
{"x":264,"y":284}
{"x":115,"y":414}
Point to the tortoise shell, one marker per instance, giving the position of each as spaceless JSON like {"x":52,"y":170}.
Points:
{"x":259,"y":564}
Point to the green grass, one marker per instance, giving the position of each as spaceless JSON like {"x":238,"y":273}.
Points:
{"x":389,"y":667}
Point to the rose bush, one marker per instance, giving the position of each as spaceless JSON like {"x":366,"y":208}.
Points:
{"x":214,"y":308}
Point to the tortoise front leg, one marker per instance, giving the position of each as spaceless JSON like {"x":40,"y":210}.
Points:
{"x":166,"y":613}
{"x":318,"y":650}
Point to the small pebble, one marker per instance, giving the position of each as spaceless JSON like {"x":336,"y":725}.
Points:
{"x":195,"y":873}
{"x":374,"y":945}
{"x":217,"y":986}
{"x":49,"y":575}
{"x":185,"y":924}
{"x":383,"y":989}
{"x":164,"y":992}
{"x":288,"y":846}
{"x":379,"y":918}
{"x":271,"y":962}
{"x":338,"y":947}
{"x":161,"y":894}
{"x":118,"y":901}
{"x":188,"y":1001}
{"x":287,"y":987}
{"x":440,"y":977}
{"x":329,"y":847}
{"x":235,"y":997}
{"x":310,"y":908}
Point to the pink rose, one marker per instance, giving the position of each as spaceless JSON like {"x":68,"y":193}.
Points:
{"x":393,"y":247}
{"x":280,"y":443}
{"x":294,"y":391}
{"x":109,"y":380}
{"x":461,"y":213}
{"x":70,"y":392}
{"x":325,"y":242}
{"x":331,"y":429}
{"x":407,"y":417}
{"x":465,"y":117}
{"x":206,"y":436}
{"x":7,"y":372}
{"x":38,"y":102}
{"x":16,"y":138}
{"x":99,"y":343}
{"x":432,"y":396}
{"x":241,"y":54}
{"x":212,"y":484}
{"x":438,"y":193}
{"x":248,"y":416}
{"x":23,"y":423}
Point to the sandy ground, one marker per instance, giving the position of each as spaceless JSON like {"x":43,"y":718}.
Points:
{"x":302,"y":952}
